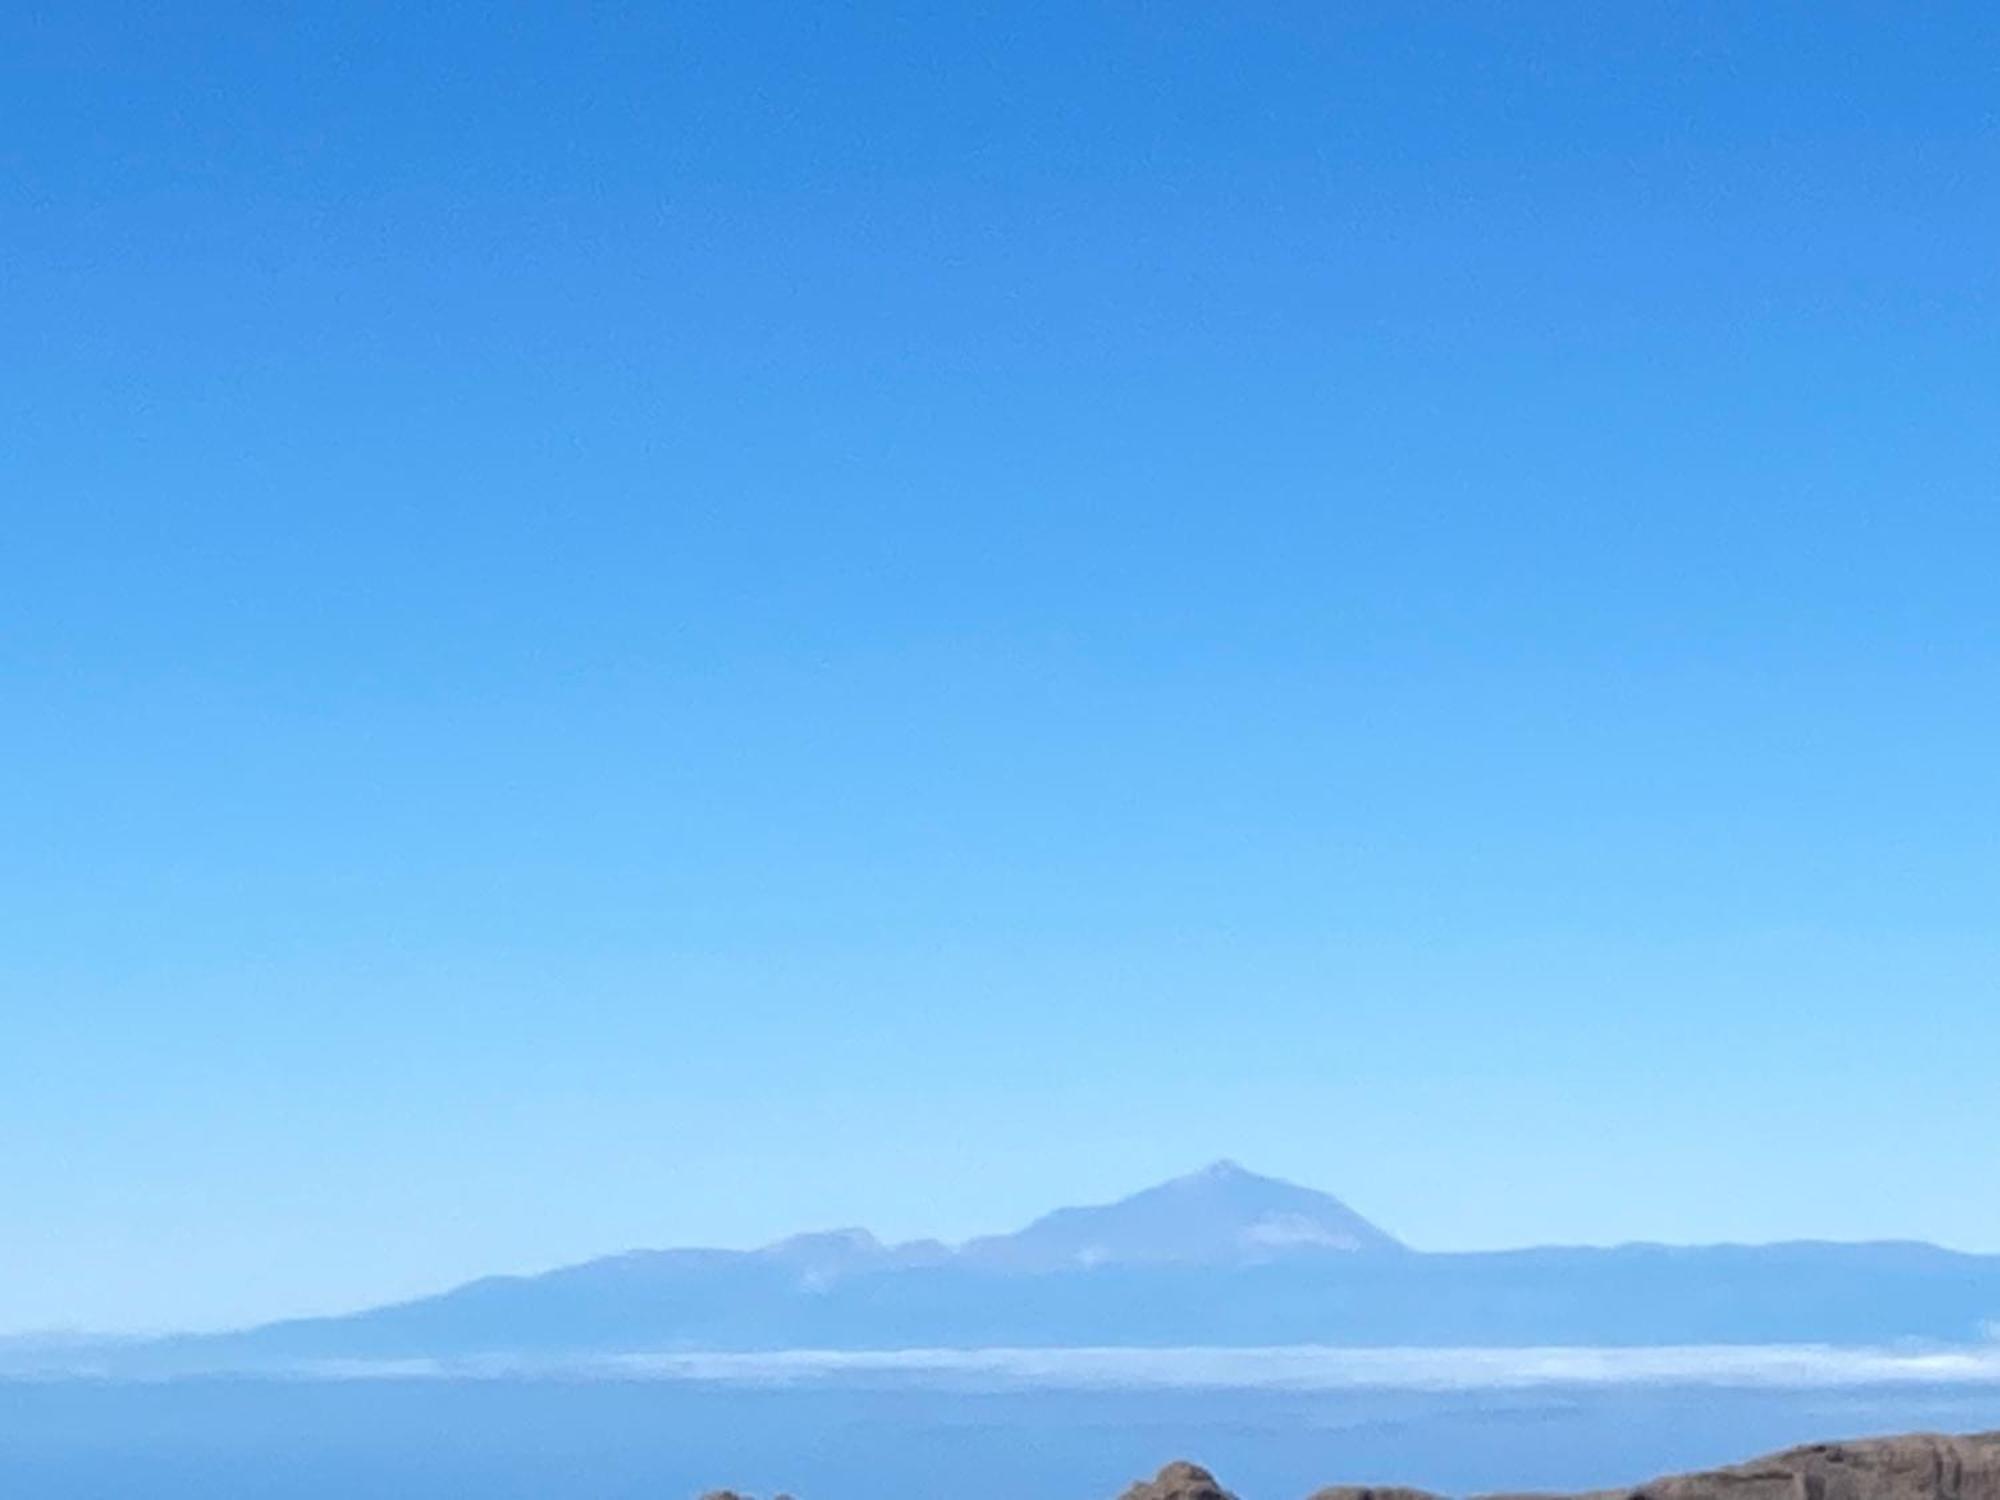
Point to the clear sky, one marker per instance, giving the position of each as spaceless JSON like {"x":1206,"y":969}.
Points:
{"x":643,"y":624}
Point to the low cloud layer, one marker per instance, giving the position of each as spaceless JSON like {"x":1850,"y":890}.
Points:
{"x":1305,"y":1368}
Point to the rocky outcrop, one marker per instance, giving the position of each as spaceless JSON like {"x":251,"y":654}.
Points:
{"x":1178,"y":1481}
{"x":1923,"y":1467}
{"x":1920,"y":1467}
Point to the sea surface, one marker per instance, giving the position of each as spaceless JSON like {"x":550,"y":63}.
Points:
{"x":832,"y":1431}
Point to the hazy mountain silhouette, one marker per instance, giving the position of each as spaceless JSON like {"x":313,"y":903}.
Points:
{"x":1221,"y":1215}
{"x":1219,"y":1257}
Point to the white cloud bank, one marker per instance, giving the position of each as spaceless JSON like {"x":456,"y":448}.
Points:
{"x":1293,"y":1368}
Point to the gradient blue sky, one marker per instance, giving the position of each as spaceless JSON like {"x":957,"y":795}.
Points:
{"x":632,"y":624}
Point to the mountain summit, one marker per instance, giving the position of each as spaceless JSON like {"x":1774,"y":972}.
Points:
{"x":1221,"y":1215}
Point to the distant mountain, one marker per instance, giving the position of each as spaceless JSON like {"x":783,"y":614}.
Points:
{"x":1219,"y":1216}
{"x":1219,"y":1257}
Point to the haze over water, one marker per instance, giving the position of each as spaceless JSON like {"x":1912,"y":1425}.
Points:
{"x":598,"y":1440}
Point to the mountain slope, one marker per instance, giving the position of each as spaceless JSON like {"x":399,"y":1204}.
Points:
{"x":1221,"y":1215}
{"x":1220,"y":1257}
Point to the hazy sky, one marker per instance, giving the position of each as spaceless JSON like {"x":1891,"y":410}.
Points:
{"x":632,"y":624}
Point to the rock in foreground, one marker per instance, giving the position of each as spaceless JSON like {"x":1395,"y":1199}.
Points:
{"x":1178,"y":1481}
{"x":1922,"y":1467}
{"x":1919,"y":1467}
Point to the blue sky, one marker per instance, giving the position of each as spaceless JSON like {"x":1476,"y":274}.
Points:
{"x":642,"y":624}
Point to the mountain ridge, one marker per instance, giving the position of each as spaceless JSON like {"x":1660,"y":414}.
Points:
{"x":1264,"y":1218}
{"x":1220,"y":1257}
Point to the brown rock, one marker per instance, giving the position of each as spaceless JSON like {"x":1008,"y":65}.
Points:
{"x":1921,"y":1467}
{"x":1179,"y":1480}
